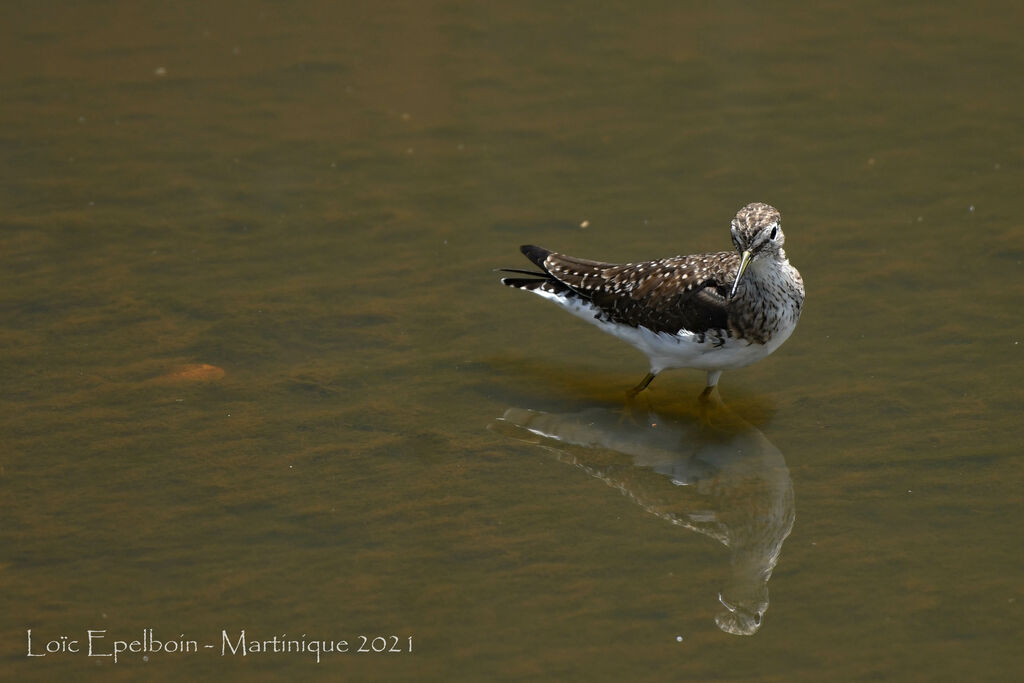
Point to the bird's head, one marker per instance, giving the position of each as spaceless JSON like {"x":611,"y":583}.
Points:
{"x":756,"y":234}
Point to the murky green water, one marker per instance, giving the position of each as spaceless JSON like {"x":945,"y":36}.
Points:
{"x":256,"y":371}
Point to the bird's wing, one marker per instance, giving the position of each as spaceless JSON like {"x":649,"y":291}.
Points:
{"x":669,"y":295}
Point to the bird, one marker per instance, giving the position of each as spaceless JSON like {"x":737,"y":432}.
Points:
{"x":712,"y":311}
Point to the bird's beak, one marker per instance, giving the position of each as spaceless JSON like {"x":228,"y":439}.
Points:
{"x":744,"y":262}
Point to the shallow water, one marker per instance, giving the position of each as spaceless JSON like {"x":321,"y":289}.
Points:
{"x":256,"y":371}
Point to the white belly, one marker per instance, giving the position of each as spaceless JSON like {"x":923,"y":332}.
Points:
{"x":681,"y":350}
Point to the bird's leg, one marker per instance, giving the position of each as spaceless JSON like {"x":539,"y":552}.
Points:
{"x":710,"y":401}
{"x":643,"y":385}
{"x":709,"y":390}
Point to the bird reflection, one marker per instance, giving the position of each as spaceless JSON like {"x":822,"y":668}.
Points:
{"x":710,"y":472}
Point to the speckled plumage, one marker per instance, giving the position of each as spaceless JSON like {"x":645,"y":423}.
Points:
{"x":685,"y":311}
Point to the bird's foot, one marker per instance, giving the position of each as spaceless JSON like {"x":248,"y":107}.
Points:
{"x":631,"y":394}
{"x":634,"y":404}
{"x":710,"y":395}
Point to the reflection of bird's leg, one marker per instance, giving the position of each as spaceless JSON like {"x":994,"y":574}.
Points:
{"x":710,"y":405}
{"x":643,"y":385}
{"x":631,"y":404}
{"x":627,"y":416}
{"x":710,"y":400}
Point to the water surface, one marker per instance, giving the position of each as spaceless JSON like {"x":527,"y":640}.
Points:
{"x":254,"y":362}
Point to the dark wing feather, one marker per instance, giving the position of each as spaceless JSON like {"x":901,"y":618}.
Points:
{"x":669,"y":295}
{"x":547,"y":280}
{"x":535,"y":254}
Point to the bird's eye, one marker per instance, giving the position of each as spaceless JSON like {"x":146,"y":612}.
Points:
{"x":775,"y":231}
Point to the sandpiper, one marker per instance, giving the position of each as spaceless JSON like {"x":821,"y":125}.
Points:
{"x":711,"y":312}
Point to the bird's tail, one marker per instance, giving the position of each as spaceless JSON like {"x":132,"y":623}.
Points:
{"x":536,"y":279}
